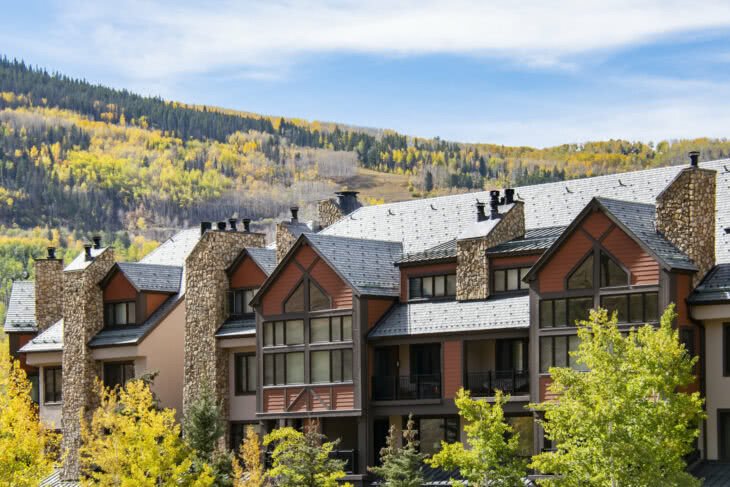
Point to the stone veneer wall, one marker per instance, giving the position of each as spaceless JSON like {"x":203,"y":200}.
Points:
{"x":472,"y":266}
{"x":685,"y":214}
{"x":328,"y":212}
{"x":83,"y":317}
{"x":206,"y":285}
{"x":284,"y":240}
{"x":48,"y":292}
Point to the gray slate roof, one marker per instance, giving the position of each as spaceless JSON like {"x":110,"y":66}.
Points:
{"x":534,"y":240}
{"x":446,"y":250}
{"x":714,"y":474}
{"x":54,"y":480}
{"x":80,"y":263}
{"x":175,"y":249}
{"x":639,"y":218}
{"x":235,"y":328}
{"x":51,"y":340}
{"x":264,"y":258}
{"x":424,"y":318}
{"x":423,"y":224}
{"x":152,"y":277}
{"x":368,"y":265}
{"x":714,"y":288}
{"x":20,"y":316}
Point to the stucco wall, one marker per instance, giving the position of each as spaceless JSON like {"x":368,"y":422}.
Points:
{"x":50,"y":414}
{"x":242,"y":408}
{"x":718,"y":387}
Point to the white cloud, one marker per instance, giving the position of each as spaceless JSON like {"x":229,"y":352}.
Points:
{"x":148,"y":40}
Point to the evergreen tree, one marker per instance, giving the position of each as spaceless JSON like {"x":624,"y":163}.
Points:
{"x":401,"y":466}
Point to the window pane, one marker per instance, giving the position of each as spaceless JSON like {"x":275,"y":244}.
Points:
{"x":320,"y":366}
{"x":109,"y":314}
{"x":58,"y":384}
{"x":498,"y":281}
{"x":295,"y":368}
{"x":238,"y":308}
{"x":320,"y":329}
{"x":582,"y":277}
{"x":546,"y":354}
{"x":414,"y":287}
{"x":279,"y":368}
{"x":132,"y":313}
{"x":336,"y":329}
{"x":439,"y":285}
{"x":523,"y":273}
{"x":128,"y":372}
{"x":251,"y":373}
{"x":239,"y":373}
{"x":317,"y":299}
{"x":231,"y":308}
{"x":452,"y":429}
{"x":546,"y":314}
{"x":513,"y":279}
{"x":579,"y":309}
{"x":48,"y":385}
{"x":618,"y":304}
{"x":431,"y":434}
{"x":573,"y":344}
{"x":295,"y":303}
{"x":268,"y":369}
{"x":611,"y":273}
{"x":294,"y":332}
{"x":636,"y":308}
{"x":561,"y":351}
{"x":347,"y":328}
{"x":451,"y":285}
{"x":120,"y":314}
{"x":336,"y":365}
{"x":561,"y":317}
{"x":523,"y":425}
{"x":279,"y":333}
{"x":427,"y":283}
{"x":347,"y":365}
{"x":268,"y":333}
{"x":650,"y":305}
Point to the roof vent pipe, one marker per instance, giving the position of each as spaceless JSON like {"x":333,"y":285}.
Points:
{"x":97,"y":241}
{"x":294,"y":212}
{"x":494,"y":203}
{"x":51,"y":252}
{"x":87,"y":249}
{"x":247,"y":225}
{"x":204,"y":226}
{"x":481,"y":216}
{"x":694,"y":158}
{"x":509,"y":196}
{"x":222,"y":226}
{"x":232,"y":222}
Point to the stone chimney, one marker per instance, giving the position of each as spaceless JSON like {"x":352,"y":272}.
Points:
{"x":329,"y":211}
{"x":685,"y":215}
{"x":48,"y":290}
{"x":207,"y":284}
{"x":83,"y":318}
{"x":287,"y":233}
{"x":472,"y":265}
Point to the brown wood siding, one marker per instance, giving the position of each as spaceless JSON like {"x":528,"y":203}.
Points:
{"x":248,"y":274}
{"x":452,"y":368}
{"x":273,"y":400}
{"x":154,"y":300}
{"x":684,"y":288}
{"x":333,"y":285}
{"x":552,"y":275}
{"x":644,"y":269}
{"x":546,"y":395}
{"x":119,"y":288}
{"x":321,"y":403}
{"x":344,"y":397}
{"x":296,"y":401}
{"x":596,"y":224}
{"x":16,"y":341}
{"x":376,"y":309}
{"x":274,"y":298}
{"x":371,"y":357}
{"x":305,"y":256}
{"x":421,"y":270}
{"x":521,"y":260}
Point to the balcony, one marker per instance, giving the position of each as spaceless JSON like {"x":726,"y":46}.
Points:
{"x":513,"y":382}
{"x":406,"y":387}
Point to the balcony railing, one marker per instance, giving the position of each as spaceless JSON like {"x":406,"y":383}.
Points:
{"x":508,"y":381}
{"x":394,"y":388}
{"x":350,"y":458}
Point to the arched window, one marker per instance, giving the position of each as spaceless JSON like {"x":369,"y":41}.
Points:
{"x":611,"y":273}
{"x":582,"y":277}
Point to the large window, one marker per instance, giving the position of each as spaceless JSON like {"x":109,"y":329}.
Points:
{"x":432,"y":431}
{"x":331,"y":366}
{"x":278,"y":333}
{"x":120,"y":314}
{"x":238,"y":301}
{"x":611,"y":273}
{"x":52,"y":385}
{"x":244,"y":373}
{"x":118,"y":373}
{"x":283,"y":368}
{"x":432,"y":286}
{"x":555,"y":352}
{"x":632,"y":308}
{"x":504,"y":280}
{"x":330,"y":329}
{"x":582,"y":276}
{"x":555,"y":313}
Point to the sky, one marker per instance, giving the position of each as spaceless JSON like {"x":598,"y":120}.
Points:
{"x":505,"y":72}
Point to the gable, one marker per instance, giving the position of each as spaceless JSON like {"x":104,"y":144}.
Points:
{"x":119,"y":288}
{"x":247,"y":274}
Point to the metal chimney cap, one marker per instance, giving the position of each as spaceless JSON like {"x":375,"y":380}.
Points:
{"x":87,"y":250}
{"x":51,"y":252}
{"x":294,"y":211}
{"x":694,"y":158}
{"x":97,"y":241}
{"x":347,"y":193}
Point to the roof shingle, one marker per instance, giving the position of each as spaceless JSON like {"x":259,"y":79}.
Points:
{"x":20,"y":316}
{"x":152,"y":277}
{"x":51,"y":340}
{"x":714,"y":288}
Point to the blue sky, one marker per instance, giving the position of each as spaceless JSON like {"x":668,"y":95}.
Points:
{"x":479,"y":71}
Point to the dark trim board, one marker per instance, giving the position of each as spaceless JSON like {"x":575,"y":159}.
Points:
{"x":722,"y":455}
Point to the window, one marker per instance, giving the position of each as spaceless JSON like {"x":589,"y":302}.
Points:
{"x":687,"y":338}
{"x":582,"y":277}
{"x":331,"y":366}
{"x":555,"y":313}
{"x":317,"y":299}
{"x":118,"y":373}
{"x":726,"y":350}
{"x":632,"y":308}
{"x":509,"y":279}
{"x":52,"y":382}
{"x":238,"y":301}
{"x":277,"y":333}
{"x":432,"y":286}
{"x":554,"y":352}
{"x":238,"y":434}
{"x":333,"y":329}
{"x":120,"y":314}
{"x":524,"y":426}
{"x":283,"y":368}
{"x":244,"y":373}
{"x":295,"y":303}
{"x":432,"y":431}
{"x":34,"y":388}
{"x":611,"y":273}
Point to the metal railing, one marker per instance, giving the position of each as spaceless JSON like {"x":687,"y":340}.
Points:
{"x":508,"y":381}
{"x":394,"y":388}
{"x":350,"y":458}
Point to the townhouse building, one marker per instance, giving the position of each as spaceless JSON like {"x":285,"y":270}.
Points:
{"x":374,"y":313}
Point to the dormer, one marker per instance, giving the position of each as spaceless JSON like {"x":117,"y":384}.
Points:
{"x":246,"y":275}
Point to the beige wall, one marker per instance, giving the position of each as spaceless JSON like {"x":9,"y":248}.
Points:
{"x":243,"y":408}
{"x":718,"y":387}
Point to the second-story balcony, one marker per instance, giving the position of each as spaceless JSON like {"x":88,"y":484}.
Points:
{"x":513,"y":382}
{"x":407,"y":387}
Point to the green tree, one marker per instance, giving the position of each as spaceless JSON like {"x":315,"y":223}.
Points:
{"x":24,"y":440}
{"x":624,"y":422}
{"x":492,"y":458}
{"x":303,"y":459}
{"x":401,"y":466}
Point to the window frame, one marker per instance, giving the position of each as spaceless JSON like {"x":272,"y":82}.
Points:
{"x":506,"y":268}
{"x":330,"y":353}
{"x":644,"y":297}
{"x":431,"y":276}
{"x":122,"y":364}
{"x":283,"y":343}
{"x":726,"y":349}
{"x":330,"y":328}
{"x":552,"y":338}
{"x":444,"y":418}
{"x":286,"y":369}
{"x":578,"y":265}
{"x":113,"y":304}
{"x":231,"y":301}
{"x":54,"y":369}
{"x":238,"y":380}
